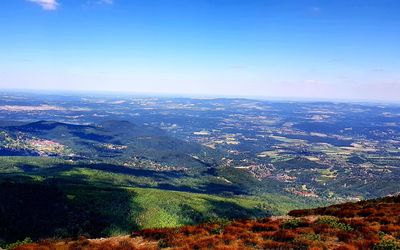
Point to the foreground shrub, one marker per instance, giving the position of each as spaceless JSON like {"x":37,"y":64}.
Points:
{"x":387,"y":244}
{"x":18,"y":243}
{"x":294,"y":223}
{"x":335,"y":223}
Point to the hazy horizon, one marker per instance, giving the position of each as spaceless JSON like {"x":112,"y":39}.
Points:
{"x":132,"y":94}
{"x":307,"y":50}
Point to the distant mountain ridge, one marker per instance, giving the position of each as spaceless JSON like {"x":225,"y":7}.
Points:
{"x":116,"y":139}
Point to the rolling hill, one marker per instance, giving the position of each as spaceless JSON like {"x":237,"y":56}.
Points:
{"x":119,"y":140}
{"x":114,"y":177}
{"x":372,"y":224}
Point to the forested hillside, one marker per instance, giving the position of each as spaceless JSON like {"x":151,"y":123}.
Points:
{"x":373,"y":224}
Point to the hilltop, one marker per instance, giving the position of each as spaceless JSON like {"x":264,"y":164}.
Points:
{"x":372,"y":224}
{"x":111,"y":140}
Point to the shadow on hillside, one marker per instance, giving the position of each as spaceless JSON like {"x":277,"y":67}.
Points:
{"x":56,"y":169}
{"x":231,"y":210}
{"x":39,"y":210}
{"x":135,"y":172}
{"x":209,"y":188}
{"x":220,"y":210}
{"x":215,"y":188}
{"x":14,"y":152}
{"x":55,"y":173}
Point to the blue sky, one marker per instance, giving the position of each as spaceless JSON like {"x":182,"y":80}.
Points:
{"x":331,"y":49}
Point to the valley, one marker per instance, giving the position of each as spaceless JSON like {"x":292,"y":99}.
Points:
{"x":111,"y":165}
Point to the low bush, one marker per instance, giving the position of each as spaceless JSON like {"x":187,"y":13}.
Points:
{"x":294,"y":223}
{"x":387,"y":244}
{"x":335,"y":223}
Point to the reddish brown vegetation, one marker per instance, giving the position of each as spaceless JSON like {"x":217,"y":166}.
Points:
{"x":362,"y":225}
{"x":116,"y":243}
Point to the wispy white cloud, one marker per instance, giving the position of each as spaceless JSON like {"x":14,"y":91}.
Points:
{"x":46,"y":4}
